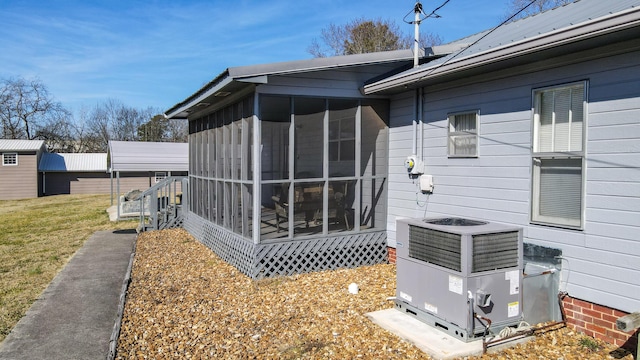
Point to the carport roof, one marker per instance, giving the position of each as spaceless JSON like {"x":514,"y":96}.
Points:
{"x":133,"y":156}
{"x":65,"y":162}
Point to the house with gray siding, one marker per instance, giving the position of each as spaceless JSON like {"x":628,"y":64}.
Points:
{"x":301,"y":166}
{"x":19,"y":169}
{"x":535,"y":124}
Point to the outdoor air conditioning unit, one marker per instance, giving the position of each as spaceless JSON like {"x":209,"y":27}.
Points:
{"x":459,"y":275}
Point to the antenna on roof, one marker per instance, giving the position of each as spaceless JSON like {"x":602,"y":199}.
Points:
{"x":417,"y":19}
{"x":419,"y":16}
{"x":417,"y":10}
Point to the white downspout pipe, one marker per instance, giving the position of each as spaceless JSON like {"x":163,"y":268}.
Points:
{"x":414,"y":145}
{"x":421,"y":122}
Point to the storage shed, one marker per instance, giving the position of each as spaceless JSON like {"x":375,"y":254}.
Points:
{"x":19,"y":169}
{"x":77,"y":173}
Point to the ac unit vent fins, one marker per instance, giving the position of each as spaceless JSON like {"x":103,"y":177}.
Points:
{"x":495,"y":251}
{"x":436,"y":247}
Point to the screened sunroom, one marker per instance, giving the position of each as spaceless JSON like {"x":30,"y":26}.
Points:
{"x":288,"y":164}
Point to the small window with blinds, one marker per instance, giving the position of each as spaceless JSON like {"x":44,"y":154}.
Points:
{"x":558,"y":155}
{"x":463,"y":134}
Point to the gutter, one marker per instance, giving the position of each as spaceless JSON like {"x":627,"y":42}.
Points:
{"x":211,"y":88}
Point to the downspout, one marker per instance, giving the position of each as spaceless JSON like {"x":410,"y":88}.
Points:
{"x":421,"y":122}
{"x":414,"y":145}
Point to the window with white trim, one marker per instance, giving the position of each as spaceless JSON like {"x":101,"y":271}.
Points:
{"x":558,"y":155}
{"x":160,"y":175}
{"x":463,"y":134}
{"x":9,"y":159}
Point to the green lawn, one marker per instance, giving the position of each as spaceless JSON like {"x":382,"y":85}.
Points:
{"x":37,"y":238}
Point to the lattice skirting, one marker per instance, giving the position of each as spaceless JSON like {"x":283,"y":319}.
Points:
{"x":290,"y":257}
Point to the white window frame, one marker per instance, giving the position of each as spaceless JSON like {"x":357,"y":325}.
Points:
{"x":10,"y":159}
{"x":469,"y":134}
{"x":559,"y":157}
{"x":160,"y":175}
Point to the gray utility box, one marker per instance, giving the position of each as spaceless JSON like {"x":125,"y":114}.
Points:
{"x":458,"y":275}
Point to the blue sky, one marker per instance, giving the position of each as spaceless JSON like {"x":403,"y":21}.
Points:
{"x":155,"y":53}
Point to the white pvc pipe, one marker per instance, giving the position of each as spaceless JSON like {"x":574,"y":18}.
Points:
{"x":420,"y":120}
{"x":416,"y":28}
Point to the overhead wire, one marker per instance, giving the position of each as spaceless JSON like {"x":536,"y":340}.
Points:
{"x":418,"y":8}
{"x":438,"y":8}
{"x":477,"y":40}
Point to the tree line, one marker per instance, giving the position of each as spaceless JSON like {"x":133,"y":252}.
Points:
{"x":29,"y":112}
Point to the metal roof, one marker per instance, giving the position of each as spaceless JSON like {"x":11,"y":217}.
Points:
{"x":77,"y":162}
{"x":315,"y":64}
{"x":20,"y":145}
{"x":580,"y":22}
{"x":235,"y":78}
{"x":132,"y":156}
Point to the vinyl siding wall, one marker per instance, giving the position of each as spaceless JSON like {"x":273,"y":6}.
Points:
{"x":21,"y":181}
{"x":602,"y":260}
{"x":77,"y":183}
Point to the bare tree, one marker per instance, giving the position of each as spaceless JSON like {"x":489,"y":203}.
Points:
{"x":27,"y":111}
{"x":365,"y":36}
{"x":58,"y":136}
{"x":161,"y":129}
{"x":531,"y":8}
{"x":112,"y":120}
{"x":177,"y":131}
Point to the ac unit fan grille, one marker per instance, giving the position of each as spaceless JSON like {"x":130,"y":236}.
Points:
{"x":495,"y":251}
{"x":436,"y":247}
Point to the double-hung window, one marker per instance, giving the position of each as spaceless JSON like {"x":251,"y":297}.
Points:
{"x":463,"y":134}
{"x":558,"y":155}
{"x":9,"y":159}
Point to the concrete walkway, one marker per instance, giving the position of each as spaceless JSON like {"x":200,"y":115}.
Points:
{"x":75,"y":316}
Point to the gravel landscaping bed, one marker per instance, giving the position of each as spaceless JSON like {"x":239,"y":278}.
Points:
{"x":185,"y":302}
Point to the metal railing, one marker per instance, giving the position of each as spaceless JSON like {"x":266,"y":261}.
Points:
{"x":161,"y":206}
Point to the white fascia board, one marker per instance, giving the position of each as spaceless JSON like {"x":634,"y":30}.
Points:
{"x":583,"y":31}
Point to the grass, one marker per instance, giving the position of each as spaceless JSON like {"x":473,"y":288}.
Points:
{"x":589,"y":344}
{"x":38,"y":237}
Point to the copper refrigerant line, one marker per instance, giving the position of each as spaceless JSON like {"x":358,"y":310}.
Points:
{"x":526,"y":332}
